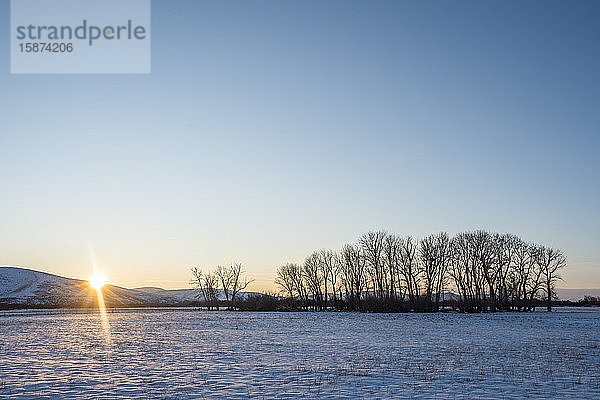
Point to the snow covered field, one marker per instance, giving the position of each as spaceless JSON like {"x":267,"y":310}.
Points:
{"x":181,"y":354}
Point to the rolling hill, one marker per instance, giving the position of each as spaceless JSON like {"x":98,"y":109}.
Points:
{"x":29,"y":288}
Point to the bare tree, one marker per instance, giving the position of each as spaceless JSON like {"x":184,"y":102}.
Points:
{"x":505,"y":249}
{"x":232,"y":281}
{"x":391,"y":260}
{"x":520,"y":274}
{"x":335,"y":278}
{"x":285,"y":280}
{"x":239,"y":281}
{"x":290,"y":278}
{"x":207,"y":284}
{"x":372,"y":245}
{"x":409,"y":268}
{"x":486,"y":262}
{"x":551,"y":261}
{"x":459,"y":270}
{"x":314,"y":279}
{"x":198,"y":282}
{"x":224,"y":277}
{"x":327,"y":265}
{"x":354,"y":274}
{"x":433,"y":254}
{"x":467,"y":270}
{"x":534,"y":282}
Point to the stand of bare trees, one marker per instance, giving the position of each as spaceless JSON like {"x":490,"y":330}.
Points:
{"x":473,"y":272}
{"x":230,"y":281}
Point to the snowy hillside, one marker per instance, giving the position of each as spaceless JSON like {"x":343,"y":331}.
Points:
{"x":20,"y":286}
{"x":184,"y":295}
{"x":176,"y":295}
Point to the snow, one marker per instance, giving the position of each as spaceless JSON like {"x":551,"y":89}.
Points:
{"x":29,"y":287}
{"x":21,"y":283}
{"x":189,"y":354}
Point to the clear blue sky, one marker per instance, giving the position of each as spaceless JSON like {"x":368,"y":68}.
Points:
{"x":268,"y":129}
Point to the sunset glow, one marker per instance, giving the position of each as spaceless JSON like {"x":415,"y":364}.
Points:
{"x":98,"y":280}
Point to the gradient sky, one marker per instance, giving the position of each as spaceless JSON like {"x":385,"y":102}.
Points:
{"x":269,"y":129}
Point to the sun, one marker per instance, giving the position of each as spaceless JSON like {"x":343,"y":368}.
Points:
{"x":97,"y":280}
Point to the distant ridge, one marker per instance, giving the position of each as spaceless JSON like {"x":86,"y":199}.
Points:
{"x":30,"y":288}
{"x":576,"y":294}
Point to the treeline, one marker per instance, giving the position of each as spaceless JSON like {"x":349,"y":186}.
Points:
{"x":472,"y":272}
{"x":589,"y":301}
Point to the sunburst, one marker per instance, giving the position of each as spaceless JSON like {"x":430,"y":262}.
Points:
{"x":98,"y":280}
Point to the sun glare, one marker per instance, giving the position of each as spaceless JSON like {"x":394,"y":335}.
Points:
{"x":98,"y":280}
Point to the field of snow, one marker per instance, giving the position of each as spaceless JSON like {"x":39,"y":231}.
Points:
{"x":184,"y":354}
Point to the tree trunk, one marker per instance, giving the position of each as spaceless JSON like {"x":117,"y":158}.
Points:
{"x":549,"y":296}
